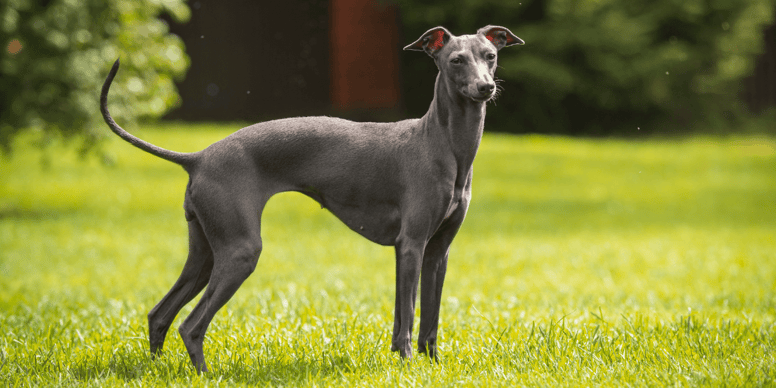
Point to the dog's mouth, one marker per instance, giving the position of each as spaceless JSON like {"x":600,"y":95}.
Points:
{"x":483,"y":98}
{"x":479,"y":97}
{"x":476,"y":95}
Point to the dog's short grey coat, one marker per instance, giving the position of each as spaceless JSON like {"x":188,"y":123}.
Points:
{"x":406,"y":184}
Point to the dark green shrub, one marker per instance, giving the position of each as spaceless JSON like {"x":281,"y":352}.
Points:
{"x":596,"y":67}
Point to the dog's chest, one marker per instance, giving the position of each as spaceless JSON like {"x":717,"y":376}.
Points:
{"x":452,"y":208}
{"x":459,"y":193}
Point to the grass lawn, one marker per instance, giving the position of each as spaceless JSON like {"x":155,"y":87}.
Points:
{"x":581,"y":262}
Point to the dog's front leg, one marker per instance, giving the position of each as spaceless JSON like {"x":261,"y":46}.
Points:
{"x":409,"y":256}
{"x":433,"y":277}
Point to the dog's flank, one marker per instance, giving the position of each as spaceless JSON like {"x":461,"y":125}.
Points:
{"x":405,"y":184}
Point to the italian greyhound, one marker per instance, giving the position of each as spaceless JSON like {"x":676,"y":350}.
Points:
{"x":405,"y":184}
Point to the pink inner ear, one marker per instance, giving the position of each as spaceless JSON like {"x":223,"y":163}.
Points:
{"x":438,"y":42}
{"x":490,"y":37}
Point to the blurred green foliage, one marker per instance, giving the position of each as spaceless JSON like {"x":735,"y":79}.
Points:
{"x":56,"y":54}
{"x":594,"y":67}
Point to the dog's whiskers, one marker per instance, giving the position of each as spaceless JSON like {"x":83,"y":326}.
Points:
{"x":498,"y":90}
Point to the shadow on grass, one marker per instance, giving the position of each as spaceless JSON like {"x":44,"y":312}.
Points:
{"x":130,"y":366}
{"x":289,"y":371}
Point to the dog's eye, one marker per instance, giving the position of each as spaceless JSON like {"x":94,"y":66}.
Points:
{"x":456,"y":61}
{"x":491,"y":56}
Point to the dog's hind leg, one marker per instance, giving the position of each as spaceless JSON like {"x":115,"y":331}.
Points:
{"x":229,"y":273}
{"x":235,"y":236}
{"x":192,"y":280}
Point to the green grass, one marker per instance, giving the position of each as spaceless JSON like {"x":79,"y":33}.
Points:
{"x":582,"y":262}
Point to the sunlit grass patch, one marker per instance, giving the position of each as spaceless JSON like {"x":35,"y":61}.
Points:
{"x":581,"y":262}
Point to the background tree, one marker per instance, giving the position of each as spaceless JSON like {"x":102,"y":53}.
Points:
{"x":597,"y":67}
{"x":57,"y":53}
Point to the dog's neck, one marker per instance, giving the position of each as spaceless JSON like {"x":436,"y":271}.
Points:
{"x":461,"y":121}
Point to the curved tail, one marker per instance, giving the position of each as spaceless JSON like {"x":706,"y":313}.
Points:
{"x":184,"y":159}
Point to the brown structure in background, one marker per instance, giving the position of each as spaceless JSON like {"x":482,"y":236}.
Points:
{"x":364,"y":56}
{"x":258,"y":60}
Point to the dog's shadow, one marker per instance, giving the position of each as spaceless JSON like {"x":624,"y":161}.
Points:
{"x":174,"y":366}
{"x":288,"y":371}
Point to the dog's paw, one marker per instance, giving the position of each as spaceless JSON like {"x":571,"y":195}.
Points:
{"x":405,"y":350}
{"x":429,"y":348}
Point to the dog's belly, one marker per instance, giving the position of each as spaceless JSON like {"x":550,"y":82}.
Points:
{"x":380,"y":225}
{"x":379,"y":222}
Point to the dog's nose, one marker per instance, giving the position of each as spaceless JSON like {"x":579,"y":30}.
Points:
{"x":486,"y":88}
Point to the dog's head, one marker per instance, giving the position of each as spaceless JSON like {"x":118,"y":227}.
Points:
{"x":468,"y":62}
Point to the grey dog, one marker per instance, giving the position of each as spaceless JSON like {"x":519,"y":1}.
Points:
{"x":405,"y":184}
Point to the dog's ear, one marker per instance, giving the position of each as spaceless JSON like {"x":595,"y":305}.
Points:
{"x":431,"y":42}
{"x":500,"y":36}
